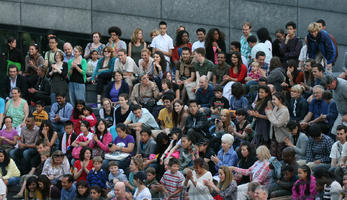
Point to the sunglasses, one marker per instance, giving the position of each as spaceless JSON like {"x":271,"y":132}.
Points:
{"x":59,"y":155}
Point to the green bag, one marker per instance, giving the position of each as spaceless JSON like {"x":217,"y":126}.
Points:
{"x":9,"y":62}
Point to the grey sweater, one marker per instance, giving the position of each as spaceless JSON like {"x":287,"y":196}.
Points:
{"x":340,"y":96}
{"x":279,"y":119}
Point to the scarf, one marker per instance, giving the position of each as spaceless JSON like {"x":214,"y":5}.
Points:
{"x":3,"y":169}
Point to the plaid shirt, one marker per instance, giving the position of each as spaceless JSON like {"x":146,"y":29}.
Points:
{"x":258,"y":172}
{"x":319,"y":150}
{"x":172,"y":182}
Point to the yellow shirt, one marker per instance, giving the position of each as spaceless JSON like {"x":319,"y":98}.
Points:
{"x":12,"y":170}
{"x":39,"y":117}
{"x":166,"y":117}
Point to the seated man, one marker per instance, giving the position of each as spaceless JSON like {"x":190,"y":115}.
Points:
{"x":147,"y":146}
{"x":196,"y":122}
{"x":165,"y":114}
{"x":318,"y":147}
{"x":26,"y":146}
{"x":59,"y":114}
{"x":41,"y":90}
{"x":127,"y":66}
{"x":317,"y":108}
{"x":221,"y":69}
{"x":205,"y":93}
{"x":138,"y":118}
{"x":338,"y":152}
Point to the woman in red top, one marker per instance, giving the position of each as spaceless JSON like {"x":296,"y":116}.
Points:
{"x":182,"y":40}
{"x":83,"y":165}
{"x":237,"y":71}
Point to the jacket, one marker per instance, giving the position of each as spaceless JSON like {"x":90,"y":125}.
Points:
{"x":276,"y":77}
{"x":20,"y":83}
{"x":302,"y":187}
{"x":301,"y":108}
{"x":99,"y":65}
{"x":106,"y":139}
{"x":300,"y":146}
{"x":197,"y":122}
{"x":124,"y":88}
{"x":204,"y":99}
{"x":279,"y":117}
{"x":324,"y":44}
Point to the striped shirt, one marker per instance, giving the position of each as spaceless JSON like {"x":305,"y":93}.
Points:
{"x":172,"y":182}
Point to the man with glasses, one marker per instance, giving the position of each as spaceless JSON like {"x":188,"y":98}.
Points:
{"x":114,"y":41}
{"x":127,"y":66}
{"x":50,"y":55}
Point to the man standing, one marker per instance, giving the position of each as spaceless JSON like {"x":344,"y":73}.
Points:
{"x":291,"y":45}
{"x":245,"y":48}
{"x":200,"y":33}
{"x":322,"y":26}
{"x":50,"y":55}
{"x":339,"y":88}
{"x":163,"y":42}
{"x":14,"y":80}
{"x":68,"y":53}
{"x":259,"y":46}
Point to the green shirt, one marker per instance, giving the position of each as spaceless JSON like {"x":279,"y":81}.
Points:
{"x":220,"y":71}
{"x":206,"y":67}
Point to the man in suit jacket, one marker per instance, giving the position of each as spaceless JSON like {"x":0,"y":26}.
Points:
{"x":14,"y":80}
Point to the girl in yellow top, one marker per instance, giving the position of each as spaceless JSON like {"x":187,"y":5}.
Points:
{"x":9,"y":172}
{"x":32,"y":189}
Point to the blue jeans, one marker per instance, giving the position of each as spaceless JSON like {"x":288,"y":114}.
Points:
{"x":77,"y":91}
{"x":13,"y":181}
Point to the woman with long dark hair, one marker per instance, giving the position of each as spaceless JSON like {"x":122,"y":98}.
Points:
{"x":8,"y":169}
{"x":179,"y":115}
{"x":83,"y":165}
{"x":182,"y":40}
{"x":82,"y":190}
{"x":237,"y":70}
{"x":101,"y":139}
{"x":58,"y":74}
{"x":48,"y":190}
{"x":214,"y":43}
{"x":305,"y":186}
{"x":48,"y":134}
{"x":77,"y":114}
{"x":264,"y":37}
{"x":247,"y":158}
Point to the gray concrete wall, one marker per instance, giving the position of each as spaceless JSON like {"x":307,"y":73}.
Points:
{"x":86,"y":16}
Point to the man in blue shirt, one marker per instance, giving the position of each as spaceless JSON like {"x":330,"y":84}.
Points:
{"x":317,"y":108}
{"x":68,"y":191}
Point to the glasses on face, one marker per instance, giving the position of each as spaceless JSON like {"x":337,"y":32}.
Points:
{"x":59,"y":155}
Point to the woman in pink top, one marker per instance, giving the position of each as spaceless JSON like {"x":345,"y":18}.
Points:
{"x":305,"y":186}
{"x":101,"y":139}
{"x":8,"y":136}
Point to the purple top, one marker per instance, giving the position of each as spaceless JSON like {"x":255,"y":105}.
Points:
{"x":9,"y":135}
{"x":114,"y":93}
{"x":123,"y":142}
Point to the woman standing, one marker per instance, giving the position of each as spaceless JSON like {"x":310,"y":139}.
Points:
{"x":17,"y":108}
{"x":136,"y":45}
{"x":195,"y":181}
{"x":146,"y":63}
{"x":279,"y":117}
{"x":77,"y":68}
{"x":214,"y":43}
{"x":237,"y":71}
{"x":95,"y":45}
{"x":116,"y":87}
{"x":33,"y":61}
{"x":103,"y":71}
{"x":264,"y":37}
{"x":182,"y":40}
{"x":58,"y":75}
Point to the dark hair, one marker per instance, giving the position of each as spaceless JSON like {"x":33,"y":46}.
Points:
{"x":151,"y":170}
{"x":314,"y":130}
{"x":82,"y":183}
{"x":179,"y":37}
{"x":161,"y":147}
{"x":200,"y":30}
{"x":177,"y":131}
{"x":96,"y":189}
{"x":259,"y":53}
{"x":320,"y":172}
{"x":41,"y":103}
{"x":83,"y":151}
{"x":306,"y":169}
{"x":97,"y":131}
{"x":275,"y":62}
{"x":263,"y":35}
{"x":11,"y":67}
{"x":241,"y":111}
{"x":289,"y":150}
{"x":5,"y":163}
{"x":140,"y":177}
{"x":147,"y":130}
{"x":51,"y":129}
{"x":321,"y":21}
{"x":68,"y":123}
{"x":86,"y":123}
{"x":291,"y":125}
{"x":163,"y":61}
{"x":173,"y":161}
{"x":239,"y":62}
{"x":260,"y":105}
{"x":168,"y":83}
{"x":168,"y":97}
{"x":162,"y":23}
{"x":88,"y":108}
{"x":53,"y":38}
{"x":115,"y":29}
{"x":287,"y":168}
{"x":97,"y":33}
{"x":281,"y":31}
{"x":8,"y":117}
{"x":237,"y":44}
{"x":263,"y":79}
{"x":177,"y":117}
{"x":193,"y":101}
{"x":124,"y":95}
{"x":69,"y":177}
{"x":11,"y":39}
{"x":318,"y":65}
{"x":251,"y":154}
{"x":237,"y":90}
{"x":199,"y":162}
{"x":122,"y":127}
{"x":327,"y":95}
{"x":252,"y":39}
{"x":200,"y":51}
{"x":112,"y":163}
{"x":135,"y":107}
{"x":292,"y":24}
{"x":185,"y":49}
{"x":218,"y":88}
{"x":210,"y":37}
{"x":341,"y":127}
{"x":46,"y":185}
{"x":30,"y":180}
{"x":280,"y":97}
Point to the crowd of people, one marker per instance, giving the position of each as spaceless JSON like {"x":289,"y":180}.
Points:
{"x":176,"y":120}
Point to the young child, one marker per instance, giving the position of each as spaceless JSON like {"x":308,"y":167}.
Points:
{"x":68,"y":138}
{"x":218,"y":102}
{"x":152,"y":181}
{"x":176,"y":135}
{"x":284,"y":185}
{"x":255,"y":74}
{"x":97,"y":176}
{"x":305,"y":186}
{"x":172,"y":180}
{"x":89,"y":116}
{"x":115,"y":176}
{"x":40,"y":114}
{"x":187,"y":153}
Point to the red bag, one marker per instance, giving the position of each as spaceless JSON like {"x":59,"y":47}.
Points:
{"x":218,"y":197}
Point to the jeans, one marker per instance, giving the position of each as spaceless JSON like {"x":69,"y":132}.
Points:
{"x":23,"y":158}
{"x":77,"y":91}
{"x":13,"y":181}
{"x":103,"y":79}
{"x":59,"y":128}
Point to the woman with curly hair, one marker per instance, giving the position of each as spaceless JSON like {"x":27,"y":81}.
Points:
{"x":214,"y":43}
{"x":182,"y":40}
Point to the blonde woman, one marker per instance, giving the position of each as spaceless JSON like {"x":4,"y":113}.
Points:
{"x":56,"y":166}
{"x":259,"y":171}
{"x":136,"y":45}
{"x":227,"y":187}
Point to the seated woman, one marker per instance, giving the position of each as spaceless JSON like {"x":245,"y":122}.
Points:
{"x":146,"y":63}
{"x":123,"y":110}
{"x":47,"y":134}
{"x":259,"y":171}
{"x":222,"y":125}
{"x":237,"y":70}
{"x":17,"y":108}
{"x":238,"y":100}
{"x":101,"y":139}
{"x":298,"y":106}
{"x":227,"y":187}
{"x":103,"y":72}
{"x":76,"y":116}
{"x":123,"y":143}
{"x":179,"y":115}
{"x":32,"y":190}
{"x":226,"y":156}
{"x":293,"y":75}
{"x":145,"y":93}
{"x":159,"y":67}
{"x":116,"y":87}
{"x":182,"y":40}
{"x":298,"y":141}
{"x":174,"y":87}
{"x":56,"y":166}
{"x":246,"y":154}
{"x":107,"y":112}
{"x":242,"y":128}
{"x":9,"y":171}
{"x":83,"y":165}
{"x":8,"y":136}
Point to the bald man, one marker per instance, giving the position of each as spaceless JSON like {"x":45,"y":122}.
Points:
{"x":68,"y":53}
{"x":205,"y":92}
{"x":119,"y":191}
{"x":261,"y":193}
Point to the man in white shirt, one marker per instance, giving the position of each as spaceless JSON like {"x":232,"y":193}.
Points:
{"x":259,"y":46}
{"x":200,"y":33}
{"x":163,"y":42}
{"x":127,"y":66}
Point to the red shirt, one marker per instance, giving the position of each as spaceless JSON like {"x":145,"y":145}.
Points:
{"x":241,"y":75}
{"x":78,"y":166}
{"x":178,"y":50}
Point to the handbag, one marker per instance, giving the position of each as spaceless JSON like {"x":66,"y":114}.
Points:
{"x":116,"y":155}
{"x":147,"y":102}
{"x":76,"y":152}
